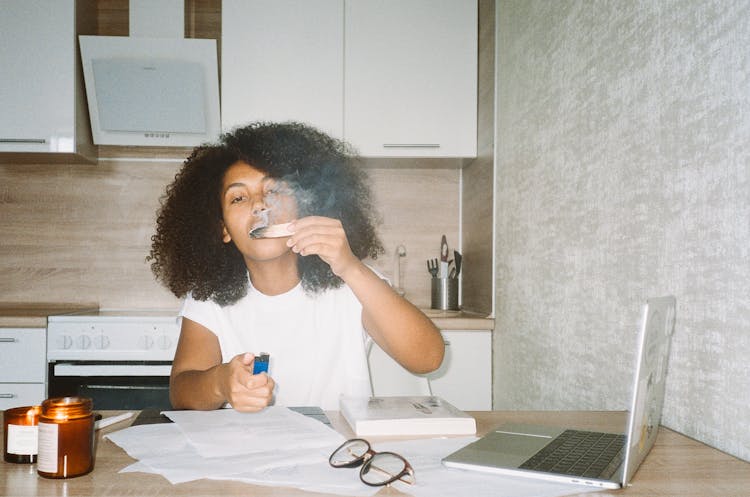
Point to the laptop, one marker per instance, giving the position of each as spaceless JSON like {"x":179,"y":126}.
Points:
{"x":606,"y":460}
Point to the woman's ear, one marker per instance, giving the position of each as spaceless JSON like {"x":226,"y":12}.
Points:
{"x":225,"y":236}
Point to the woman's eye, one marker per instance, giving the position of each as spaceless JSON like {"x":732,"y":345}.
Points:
{"x":237,"y":198}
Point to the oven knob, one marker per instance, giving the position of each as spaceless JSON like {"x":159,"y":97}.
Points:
{"x":164,"y":342}
{"x":101,"y":342}
{"x":64,"y":342}
{"x":83,"y":342}
{"x":145,"y":342}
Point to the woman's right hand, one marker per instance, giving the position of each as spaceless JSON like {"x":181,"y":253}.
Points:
{"x":241,"y":388}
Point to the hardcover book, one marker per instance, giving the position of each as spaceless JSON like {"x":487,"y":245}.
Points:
{"x":405,"y":415}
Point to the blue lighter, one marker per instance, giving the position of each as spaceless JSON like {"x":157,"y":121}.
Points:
{"x":261,"y":363}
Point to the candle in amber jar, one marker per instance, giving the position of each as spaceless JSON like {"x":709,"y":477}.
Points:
{"x":20,"y":434}
{"x":66,"y":437}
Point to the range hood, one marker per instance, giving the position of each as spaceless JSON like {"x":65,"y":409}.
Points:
{"x":151,"y":90}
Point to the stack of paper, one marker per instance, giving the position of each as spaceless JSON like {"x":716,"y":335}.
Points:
{"x":281,"y":448}
{"x":276,"y":446}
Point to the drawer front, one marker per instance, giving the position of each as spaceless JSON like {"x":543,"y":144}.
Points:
{"x":24,"y":352}
{"x":21,"y":394}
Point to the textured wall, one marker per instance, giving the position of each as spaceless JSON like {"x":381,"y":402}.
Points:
{"x":623,"y":172}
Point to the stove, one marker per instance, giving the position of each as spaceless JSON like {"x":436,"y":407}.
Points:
{"x":121,"y":359}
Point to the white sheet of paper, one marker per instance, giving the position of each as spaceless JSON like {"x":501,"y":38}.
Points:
{"x":164,"y":450}
{"x":226,"y":432}
{"x":161,"y":449}
{"x":318,"y":477}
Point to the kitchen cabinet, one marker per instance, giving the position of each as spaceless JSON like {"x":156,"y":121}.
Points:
{"x":464,"y":379}
{"x":23,"y":370}
{"x":411,"y":78}
{"x":41,"y":93}
{"x":395,"y":78}
{"x":282,"y":60}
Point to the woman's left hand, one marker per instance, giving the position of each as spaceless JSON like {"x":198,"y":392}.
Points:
{"x":326,"y":238}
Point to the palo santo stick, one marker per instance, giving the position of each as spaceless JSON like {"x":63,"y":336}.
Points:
{"x":271,"y":231}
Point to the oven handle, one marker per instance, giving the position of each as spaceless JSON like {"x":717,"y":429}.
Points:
{"x":65,"y":369}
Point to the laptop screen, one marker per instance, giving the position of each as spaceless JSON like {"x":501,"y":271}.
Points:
{"x":648,"y":390}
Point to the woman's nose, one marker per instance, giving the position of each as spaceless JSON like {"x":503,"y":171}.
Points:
{"x":260,"y":210}
{"x":259,"y":206}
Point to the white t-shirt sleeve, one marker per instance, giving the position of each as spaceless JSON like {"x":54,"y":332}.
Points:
{"x":202,"y":312}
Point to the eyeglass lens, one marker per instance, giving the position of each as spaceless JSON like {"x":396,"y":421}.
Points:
{"x":383,"y":468}
{"x":351,"y":454}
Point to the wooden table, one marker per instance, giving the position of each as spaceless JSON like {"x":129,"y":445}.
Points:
{"x":677,"y":466}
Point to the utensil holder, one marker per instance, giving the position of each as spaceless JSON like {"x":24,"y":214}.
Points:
{"x":445,"y":294}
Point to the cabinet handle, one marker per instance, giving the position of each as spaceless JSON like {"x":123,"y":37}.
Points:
{"x":411,"y":145}
{"x":23,"y":140}
{"x":7,"y":396}
{"x":7,"y":339}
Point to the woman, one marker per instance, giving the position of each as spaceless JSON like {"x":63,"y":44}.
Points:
{"x":305,"y":297}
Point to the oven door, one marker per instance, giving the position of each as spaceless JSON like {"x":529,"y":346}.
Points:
{"x":119,"y":385}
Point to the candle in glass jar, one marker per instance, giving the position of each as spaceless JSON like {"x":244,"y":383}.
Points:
{"x":20,"y":434}
{"x":66,"y":437}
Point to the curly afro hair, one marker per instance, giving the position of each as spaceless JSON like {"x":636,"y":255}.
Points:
{"x":187,"y":252}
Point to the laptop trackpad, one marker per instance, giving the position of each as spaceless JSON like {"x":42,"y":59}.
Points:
{"x":512,"y":447}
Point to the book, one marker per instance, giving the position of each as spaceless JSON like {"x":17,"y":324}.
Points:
{"x":405,"y":415}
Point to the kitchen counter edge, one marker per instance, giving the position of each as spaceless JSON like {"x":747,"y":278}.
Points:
{"x":35,"y":316}
{"x":21,"y":315}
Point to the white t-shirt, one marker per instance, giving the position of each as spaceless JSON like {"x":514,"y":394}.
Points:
{"x":317,"y":343}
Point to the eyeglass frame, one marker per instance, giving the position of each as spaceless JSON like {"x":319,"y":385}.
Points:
{"x":365,"y":461}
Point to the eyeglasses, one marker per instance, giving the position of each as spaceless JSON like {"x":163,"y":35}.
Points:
{"x":378,"y":468}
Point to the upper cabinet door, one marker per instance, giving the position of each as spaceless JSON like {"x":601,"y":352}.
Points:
{"x":283,"y":60}
{"x":411,"y":77}
{"x":37,"y":89}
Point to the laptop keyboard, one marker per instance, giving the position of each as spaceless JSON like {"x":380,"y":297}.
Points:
{"x":580,"y":453}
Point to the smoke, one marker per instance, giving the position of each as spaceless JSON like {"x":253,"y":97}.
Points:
{"x":315,"y":190}
{"x":281,"y":205}
{"x":310,"y":191}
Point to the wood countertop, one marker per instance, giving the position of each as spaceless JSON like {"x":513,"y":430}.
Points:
{"x":23,"y":315}
{"x":676,"y":466}
{"x":459,"y":320}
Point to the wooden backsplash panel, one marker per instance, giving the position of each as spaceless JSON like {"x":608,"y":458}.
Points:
{"x":202,"y":18}
{"x":417,"y":206}
{"x":80,"y":234}
{"x":112,"y":17}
